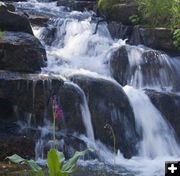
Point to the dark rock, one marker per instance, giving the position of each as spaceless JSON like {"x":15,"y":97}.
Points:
{"x":71,"y":99}
{"x":20,"y":145}
{"x":24,"y":49}
{"x":119,"y":11}
{"x":10,"y":7}
{"x":79,"y":5}
{"x":119,"y":64}
{"x":122,"y":12}
{"x":28,"y":96}
{"x":153,"y":68}
{"x":156,"y":38}
{"x":109,"y":105}
{"x":168,"y":104}
{"x":38,"y":20}
{"x":11,"y":21}
{"x":119,"y":31}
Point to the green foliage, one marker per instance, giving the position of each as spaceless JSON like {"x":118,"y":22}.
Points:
{"x":35,"y":169}
{"x":1,"y":35}
{"x":160,"y":12}
{"x":105,"y":5}
{"x":176,"y":38}
{"x":135,"y":19}
{"x":56,"y":163}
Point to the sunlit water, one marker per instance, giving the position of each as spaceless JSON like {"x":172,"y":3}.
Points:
{"x":75,"y":49}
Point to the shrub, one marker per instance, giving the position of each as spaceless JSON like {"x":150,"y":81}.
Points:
{"x":176,"y":38}
{"x":160,"y":12}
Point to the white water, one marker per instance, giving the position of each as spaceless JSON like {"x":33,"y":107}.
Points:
{"x":76,"y":50}
{"x":158,"y":138}
{"x":162,"y":71}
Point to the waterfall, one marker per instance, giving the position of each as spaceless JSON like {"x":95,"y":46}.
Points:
{"x":74,"y":48}
{"x":158,"y":138}
{"x":152,"y":69}
{"x":86,"y":115}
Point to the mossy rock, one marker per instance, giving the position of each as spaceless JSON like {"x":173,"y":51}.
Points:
{"x":118,"y":10}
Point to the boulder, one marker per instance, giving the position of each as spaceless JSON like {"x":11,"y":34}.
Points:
{"x":168,"y":104}
{"x":118,"y":10}
{"x":26,"y":96}
{"x":119,"y":31}
{"x":24,"y":49}
{"x":10,"y":7}
{"x":144,"y":67}
{"x":122,"y":12}
{"x":11,"y":21}
{"x":119,"y":64}
{"x":109,"y":105}
{"x":156,"y":38}
{"x":71,"y":99}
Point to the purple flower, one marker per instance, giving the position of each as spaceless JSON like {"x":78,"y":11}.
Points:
{"x":58,"y":112}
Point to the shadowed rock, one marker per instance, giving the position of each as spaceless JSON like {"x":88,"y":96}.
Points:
{"x":11,"y":21}
{"x":109,"y":105}
{"x":21,"y":52}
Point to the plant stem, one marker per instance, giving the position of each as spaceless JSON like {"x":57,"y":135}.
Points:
{"x":114,"y":140}
{"x":54,"y":128}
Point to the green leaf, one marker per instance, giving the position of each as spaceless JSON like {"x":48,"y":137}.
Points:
{"x":53,"y":162}
{"x":60,"y":157}
{"x":70,"y":166}
{"x":33,"y":165}
{"x":16,"y":159}
{"x":39,"y":173}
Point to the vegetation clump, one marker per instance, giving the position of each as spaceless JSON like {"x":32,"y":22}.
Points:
{"x":151,"y":13}
{"x":1,"y":35}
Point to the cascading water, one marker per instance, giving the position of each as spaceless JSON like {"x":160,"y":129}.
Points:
{"x":75,"y":49}
{"x":86,"y":115}
{"x":158,"y":138}
{"x":152,"y":69}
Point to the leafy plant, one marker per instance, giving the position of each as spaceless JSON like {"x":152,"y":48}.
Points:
{"x":176,"y":38}
{"x":160,"y":12}
{"x":135,"y":19}
{"x":57,"y":166}
{"x":35,"y":169}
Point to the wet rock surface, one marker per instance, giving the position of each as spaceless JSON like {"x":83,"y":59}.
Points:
{"x":119,"y":64}
{"x":28,"y":95}
{"x":168,"y":104}
{"x":109,"y":105}
{"x":11,"y":21}
{"x":24,"y":49}
{"x":156,"y":38}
